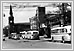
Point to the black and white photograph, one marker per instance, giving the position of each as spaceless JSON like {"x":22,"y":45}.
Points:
{"x":36,"y":25}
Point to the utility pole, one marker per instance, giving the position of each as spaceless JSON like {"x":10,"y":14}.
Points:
{"x":64,"y":6}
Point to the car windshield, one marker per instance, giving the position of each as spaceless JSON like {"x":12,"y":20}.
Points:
{"x":59,"y":30}
{"x":28,"y":32}
{"x":35,"y":32}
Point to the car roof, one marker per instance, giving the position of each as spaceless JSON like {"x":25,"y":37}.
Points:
{"x":33,"y":31}
{"x":57,"y":28}
{"x":67,"y":27}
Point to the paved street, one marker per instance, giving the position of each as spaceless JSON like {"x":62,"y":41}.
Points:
{"x":24,"y":44}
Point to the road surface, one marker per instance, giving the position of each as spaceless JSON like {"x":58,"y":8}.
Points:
{"x":31,"y":44}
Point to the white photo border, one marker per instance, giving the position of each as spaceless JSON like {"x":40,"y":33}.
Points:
{"x":45,"y":2}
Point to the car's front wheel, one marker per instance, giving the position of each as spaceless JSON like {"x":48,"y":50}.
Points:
{"x":63,"y":39}
{"x":52,"y":39}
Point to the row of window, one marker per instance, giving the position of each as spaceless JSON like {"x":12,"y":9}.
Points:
{"x":59,"y":31}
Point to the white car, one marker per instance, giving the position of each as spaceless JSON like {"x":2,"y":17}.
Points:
{"x":23,"y":33}
{"x":15,"y":36}
{"x":61,"y":33}
{"x":67,"y":38}
{"x":32,"y":34}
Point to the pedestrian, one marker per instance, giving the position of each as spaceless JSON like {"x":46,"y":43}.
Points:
{"x":48,"y":31}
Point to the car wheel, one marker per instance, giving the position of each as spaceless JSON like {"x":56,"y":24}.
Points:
{"x":63,"y":39}
{"x":9,"y":37}
{"x":3,"y":39}
{"x":52,"y":39}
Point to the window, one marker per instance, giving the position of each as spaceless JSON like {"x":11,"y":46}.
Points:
{"x":35,"y":32}
{"x":54,"y":31}
{"x":70,"y":29}
{"x":59,"y":30}
{"x":28,"y":32}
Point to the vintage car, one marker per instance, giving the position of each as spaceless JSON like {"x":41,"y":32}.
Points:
{"x":61,"y":34}
{"x":32,"y":35}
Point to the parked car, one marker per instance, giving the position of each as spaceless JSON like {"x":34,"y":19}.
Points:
{"x":23,"y":33}
{"x":61,"y":34}
{"x":14,"y":36}
{"x":3,"y":37}
{"x":32,"y":35}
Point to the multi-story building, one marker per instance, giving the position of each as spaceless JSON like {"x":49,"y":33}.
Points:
{"x":33,"y":23}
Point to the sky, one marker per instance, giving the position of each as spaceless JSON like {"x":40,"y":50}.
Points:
{"x":23,"y":14}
